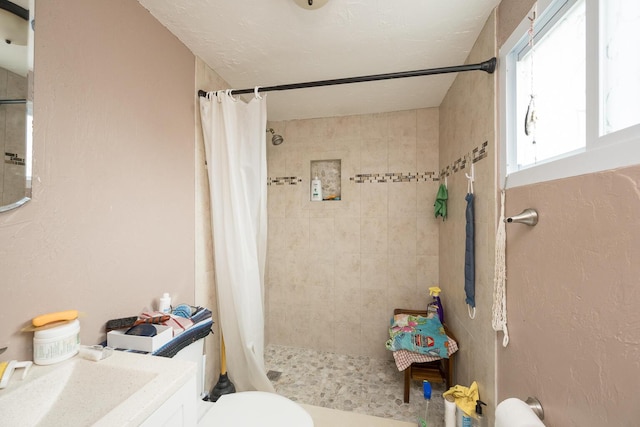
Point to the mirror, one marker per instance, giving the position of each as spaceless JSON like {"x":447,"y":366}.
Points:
{"x":16,"y":101}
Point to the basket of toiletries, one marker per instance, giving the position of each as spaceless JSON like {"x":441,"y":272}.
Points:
{"x":120,"y":339}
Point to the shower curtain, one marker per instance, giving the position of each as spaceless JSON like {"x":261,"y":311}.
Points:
{"x":235,"y":147}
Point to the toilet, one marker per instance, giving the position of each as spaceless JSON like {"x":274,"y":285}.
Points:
{"x":247,"y":408}
{"x":255,"y":408}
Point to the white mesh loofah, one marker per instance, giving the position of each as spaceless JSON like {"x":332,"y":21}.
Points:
{"x":499,"y":309}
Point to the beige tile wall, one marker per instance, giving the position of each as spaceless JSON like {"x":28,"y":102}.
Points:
{"x":467,"y":121}
{"x":337,"y":269}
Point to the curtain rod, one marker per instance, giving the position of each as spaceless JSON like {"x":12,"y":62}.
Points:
{"x":488,"y":66}
{"x":12,"y":101}
{"x":15,"y":9}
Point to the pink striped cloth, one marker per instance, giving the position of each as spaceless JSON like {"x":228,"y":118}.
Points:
{"x":179,"y":324}
{"x":405,"y":358}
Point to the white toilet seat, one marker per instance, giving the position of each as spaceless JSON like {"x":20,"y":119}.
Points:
{"x":255,"y":408}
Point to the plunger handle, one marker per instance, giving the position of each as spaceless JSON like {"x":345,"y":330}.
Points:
{"x":223,"y":357}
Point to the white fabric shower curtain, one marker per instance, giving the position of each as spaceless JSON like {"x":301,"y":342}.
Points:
{"x":235,"y":146}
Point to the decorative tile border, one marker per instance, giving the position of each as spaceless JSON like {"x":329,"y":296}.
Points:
{"x":13,"y":159}
{"x":474,"y":156}
{"x":363,"y":178}
{"x":283,"y":180}
{"x":367,"y":178}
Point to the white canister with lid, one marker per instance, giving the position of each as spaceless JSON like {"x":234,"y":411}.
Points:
{"x":53,"y":345}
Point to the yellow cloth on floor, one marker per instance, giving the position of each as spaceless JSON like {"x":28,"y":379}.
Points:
{"x":465,"y":397}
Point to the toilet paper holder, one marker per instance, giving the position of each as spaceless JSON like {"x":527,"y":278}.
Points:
{"x":536,"y":407}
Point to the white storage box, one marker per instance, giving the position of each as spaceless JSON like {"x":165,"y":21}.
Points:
{"x":118,"y":339}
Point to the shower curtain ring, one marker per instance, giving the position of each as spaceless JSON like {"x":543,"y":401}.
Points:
{"x":230,"y":95}
{"x":255,"y":92}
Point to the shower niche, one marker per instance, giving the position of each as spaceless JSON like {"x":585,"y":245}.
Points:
{"x":329,"y":173}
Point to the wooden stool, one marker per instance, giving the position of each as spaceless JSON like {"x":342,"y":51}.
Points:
{"x":438,"y":371}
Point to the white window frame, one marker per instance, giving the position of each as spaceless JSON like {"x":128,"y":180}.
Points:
{"x":615,"y":150}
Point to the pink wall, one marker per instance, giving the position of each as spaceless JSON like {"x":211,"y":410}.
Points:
{"x":572,"y":298}
{"x":111,"y":223}
{"x":572,"y":302}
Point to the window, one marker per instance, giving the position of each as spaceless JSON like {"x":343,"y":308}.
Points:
{"x":569,"y":89}
{"x":550,"y":81}
{"x":620,"y":65}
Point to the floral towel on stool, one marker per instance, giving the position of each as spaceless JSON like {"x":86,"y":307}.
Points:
{"x":420,"y":334}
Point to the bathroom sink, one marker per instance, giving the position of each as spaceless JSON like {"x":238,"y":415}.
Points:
{"x":123,"y":390}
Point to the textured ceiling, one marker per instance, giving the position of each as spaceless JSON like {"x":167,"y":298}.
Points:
{"x":272,"y":42}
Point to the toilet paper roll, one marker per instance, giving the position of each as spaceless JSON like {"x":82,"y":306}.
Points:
{"x":514,"y":412}
{"x":449,"y":413}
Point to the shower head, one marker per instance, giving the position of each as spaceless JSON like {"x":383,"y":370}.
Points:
{"x":275,"y":139}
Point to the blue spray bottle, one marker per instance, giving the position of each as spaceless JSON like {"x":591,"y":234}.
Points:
{"x":426,"y":392}
{"x":434,"y":291}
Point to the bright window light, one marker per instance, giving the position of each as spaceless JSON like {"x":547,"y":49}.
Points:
{"x":581,"y":78}
{"x":620,"y":59}
{"x":553,"y":72}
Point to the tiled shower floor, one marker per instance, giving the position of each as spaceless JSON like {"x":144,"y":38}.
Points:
{"x":349,"y":383}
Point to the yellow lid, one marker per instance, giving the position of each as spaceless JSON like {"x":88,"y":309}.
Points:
{"x":435,"y":291}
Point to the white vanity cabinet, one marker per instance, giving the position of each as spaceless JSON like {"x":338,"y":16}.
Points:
{"x":179,"y":410}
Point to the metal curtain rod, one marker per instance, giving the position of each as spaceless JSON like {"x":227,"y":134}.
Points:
{"x":15,"y":9}
{"x":489,"y":66}
{"x":13,"y":101}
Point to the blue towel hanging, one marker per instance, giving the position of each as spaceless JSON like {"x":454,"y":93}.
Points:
{"x":469,"y":255}
{"x":469,"y":252}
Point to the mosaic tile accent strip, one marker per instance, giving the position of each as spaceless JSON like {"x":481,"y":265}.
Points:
{"x":13,"y":159}
{"x":283,"y":180}
{"x":474,"y":156}
{"x":363,"y":178}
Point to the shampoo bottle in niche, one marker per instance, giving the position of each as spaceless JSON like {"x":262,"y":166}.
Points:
{"x":436,"y":304}
{"x":316,"y":190}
